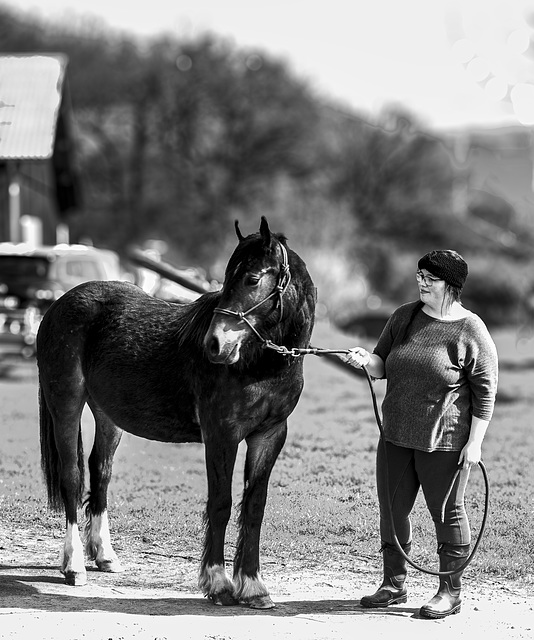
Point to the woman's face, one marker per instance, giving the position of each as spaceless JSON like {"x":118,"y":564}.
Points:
{"x":431,"y":289}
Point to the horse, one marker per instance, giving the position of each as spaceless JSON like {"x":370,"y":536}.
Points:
{"x":218,"y":370}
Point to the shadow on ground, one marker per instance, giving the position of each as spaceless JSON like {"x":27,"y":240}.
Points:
{"x":21,"y":592}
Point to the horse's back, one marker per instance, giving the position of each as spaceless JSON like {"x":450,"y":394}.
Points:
{"x":90,"y":298}
{"x":68,"y":321}
{"x":98,"y":302}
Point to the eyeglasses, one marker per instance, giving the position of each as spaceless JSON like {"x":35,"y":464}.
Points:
{"x":428,"y":280}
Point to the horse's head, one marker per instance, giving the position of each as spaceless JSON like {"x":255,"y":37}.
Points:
{"x":252,"y":298}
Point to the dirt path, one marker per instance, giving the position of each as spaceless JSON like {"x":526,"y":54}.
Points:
{"x":311,"y":604}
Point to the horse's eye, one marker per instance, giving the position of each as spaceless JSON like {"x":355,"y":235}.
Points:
{"x":252,"y":280}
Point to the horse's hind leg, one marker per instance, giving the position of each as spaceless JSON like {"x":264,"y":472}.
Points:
{"x":69,"y":447}
{"x":97,"y":537}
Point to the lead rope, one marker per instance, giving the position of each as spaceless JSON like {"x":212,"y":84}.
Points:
{"x":282,"y":285}
{"x":319,"y":352}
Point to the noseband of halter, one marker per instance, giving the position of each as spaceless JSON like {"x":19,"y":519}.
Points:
{"x":284,"y":278}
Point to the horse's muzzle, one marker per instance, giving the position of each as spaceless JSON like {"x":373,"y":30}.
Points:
{"x":221,"y":351}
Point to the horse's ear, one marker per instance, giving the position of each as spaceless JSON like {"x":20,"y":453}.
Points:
{"x":265,"y":232}
{"x":237,"y":230}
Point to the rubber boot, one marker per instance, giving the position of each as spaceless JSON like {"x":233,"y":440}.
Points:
{"x":447,"y":600}
{"x":392,"y":590}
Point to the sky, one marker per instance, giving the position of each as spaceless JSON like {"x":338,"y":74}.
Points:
{"x":451,"y":63}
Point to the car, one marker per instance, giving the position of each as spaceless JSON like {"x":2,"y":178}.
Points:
{"x":31,"y":278}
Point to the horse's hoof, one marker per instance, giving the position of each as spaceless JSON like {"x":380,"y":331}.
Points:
{"x":260,"y":602}
{"x":75,"y":578}
{"x":224,"y":599}
{"x":110,"y":566}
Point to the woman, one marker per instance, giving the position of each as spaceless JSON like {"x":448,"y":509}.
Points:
{"x":441,"y":369}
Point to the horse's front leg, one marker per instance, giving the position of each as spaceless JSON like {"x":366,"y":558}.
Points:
{"x":262,"y":451}
{"x":213,"y":579}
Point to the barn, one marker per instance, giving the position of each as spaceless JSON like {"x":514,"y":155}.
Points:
{"x":39,"y":188}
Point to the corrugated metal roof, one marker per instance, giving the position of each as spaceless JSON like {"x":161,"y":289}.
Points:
{"x":30,"y":96}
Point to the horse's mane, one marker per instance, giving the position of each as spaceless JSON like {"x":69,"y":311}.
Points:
{"x":192,"y":323}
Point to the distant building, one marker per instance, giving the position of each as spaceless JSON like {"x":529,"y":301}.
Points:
{"x":38,"y":184}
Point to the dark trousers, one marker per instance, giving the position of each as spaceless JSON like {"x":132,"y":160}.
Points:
{"x":408,"y":471}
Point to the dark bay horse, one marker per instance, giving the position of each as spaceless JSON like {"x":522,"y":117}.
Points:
{"x":214,"y":371}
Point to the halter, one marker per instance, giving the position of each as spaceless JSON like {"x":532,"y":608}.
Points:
{"x":284,"y":278}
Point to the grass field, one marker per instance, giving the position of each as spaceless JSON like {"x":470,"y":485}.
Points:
{"x":322,"y":508}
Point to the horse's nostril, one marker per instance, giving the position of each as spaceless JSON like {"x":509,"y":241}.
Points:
{"x":213,"y":347}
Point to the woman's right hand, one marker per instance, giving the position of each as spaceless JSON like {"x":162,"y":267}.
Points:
{"x":358,"y":357}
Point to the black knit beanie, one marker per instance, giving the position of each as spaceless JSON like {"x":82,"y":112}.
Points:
{"x":446,"y":265}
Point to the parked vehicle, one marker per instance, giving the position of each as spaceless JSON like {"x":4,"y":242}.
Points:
{"x":31,"y":278}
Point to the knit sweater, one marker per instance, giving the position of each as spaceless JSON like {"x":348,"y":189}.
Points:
{"x":439,"y":375}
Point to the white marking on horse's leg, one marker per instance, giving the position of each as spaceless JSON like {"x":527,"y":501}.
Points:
{"x":72,"y":558}
{"x":251,"y":590}
{"x":215,"y":583}
{"x":98,"y":543}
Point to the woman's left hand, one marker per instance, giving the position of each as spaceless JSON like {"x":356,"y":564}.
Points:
{"x":470,"y":455}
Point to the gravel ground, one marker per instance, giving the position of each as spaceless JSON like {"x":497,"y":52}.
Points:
{"x":311,"y":604}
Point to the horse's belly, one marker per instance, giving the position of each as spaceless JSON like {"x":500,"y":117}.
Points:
{"x":151,"y":416}
{"x":165,"y":432}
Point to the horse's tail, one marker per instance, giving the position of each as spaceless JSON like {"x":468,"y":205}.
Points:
{"x":50,"y":460}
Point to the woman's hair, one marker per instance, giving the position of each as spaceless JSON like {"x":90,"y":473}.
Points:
{"x":452,"y":294}
{"x":418,"y":306}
